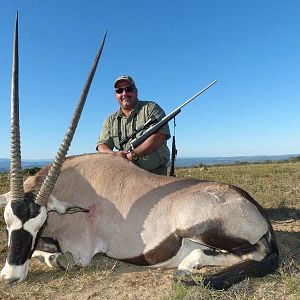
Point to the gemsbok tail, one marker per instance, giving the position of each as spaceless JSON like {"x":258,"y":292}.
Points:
{"x":249,"y":268}
{"x":236,"y":273}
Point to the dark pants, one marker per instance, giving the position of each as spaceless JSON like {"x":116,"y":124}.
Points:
{"x":161,"y":170}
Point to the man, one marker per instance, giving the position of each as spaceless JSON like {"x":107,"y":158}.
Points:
{"x":153,"y":154}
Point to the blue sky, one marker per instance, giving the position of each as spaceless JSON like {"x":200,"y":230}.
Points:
{"x":172,"y":49}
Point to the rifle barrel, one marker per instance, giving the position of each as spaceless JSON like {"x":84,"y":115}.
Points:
{"x":196,"y":95}
{"x":137,"y":141}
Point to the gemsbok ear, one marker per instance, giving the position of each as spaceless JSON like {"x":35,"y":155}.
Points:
{"x":63,"y":207}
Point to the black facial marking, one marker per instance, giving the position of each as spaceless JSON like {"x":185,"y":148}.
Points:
{"x":19,"y":249}
{"x":27,"y":209}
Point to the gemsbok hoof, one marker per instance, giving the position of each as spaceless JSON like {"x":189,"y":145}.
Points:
{"x":66,"y":260}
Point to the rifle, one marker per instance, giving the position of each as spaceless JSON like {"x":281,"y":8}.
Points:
{"x":153,"y":129}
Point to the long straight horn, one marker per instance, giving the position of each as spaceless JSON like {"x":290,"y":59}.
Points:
{"x":50,"y":180}
{"x":16,"y":178}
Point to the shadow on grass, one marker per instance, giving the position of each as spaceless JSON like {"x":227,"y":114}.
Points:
{"x":289,"y":245}
{"x":100,"y":268}
{"x":283,"y":213}
{"x":287,"y":231}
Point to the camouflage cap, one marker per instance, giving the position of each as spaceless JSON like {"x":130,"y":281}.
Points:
{"x":124,"y":78}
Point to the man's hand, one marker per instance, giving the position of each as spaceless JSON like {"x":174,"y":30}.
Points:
{"x":152,"y":143}
{"x":103,"y":148}
{"x":122,"y":154}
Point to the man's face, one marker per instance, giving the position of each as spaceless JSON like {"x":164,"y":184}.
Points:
{"x":126,"y":99}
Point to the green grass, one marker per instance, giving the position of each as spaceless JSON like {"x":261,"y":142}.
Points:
{"x":272,"y":185}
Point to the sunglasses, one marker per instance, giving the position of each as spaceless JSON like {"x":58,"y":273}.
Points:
{"x":127,"y":89}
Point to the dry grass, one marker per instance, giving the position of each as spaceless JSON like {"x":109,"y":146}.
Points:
{"x":275,"y":186}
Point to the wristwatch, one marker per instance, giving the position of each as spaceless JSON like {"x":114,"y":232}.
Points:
{"x":134,"y":155}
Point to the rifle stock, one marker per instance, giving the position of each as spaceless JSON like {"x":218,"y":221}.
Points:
{"x":173,"y":157}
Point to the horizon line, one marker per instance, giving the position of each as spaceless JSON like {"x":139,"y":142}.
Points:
{"x":184,"y":156}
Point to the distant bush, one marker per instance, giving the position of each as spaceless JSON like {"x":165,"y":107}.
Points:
{"x":4,"y":178}
{"x":296,"y":158}
{"x":200,"y":165}
{"x":30,"y":171}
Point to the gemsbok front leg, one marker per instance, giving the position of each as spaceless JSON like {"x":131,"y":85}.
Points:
{"x":49,"y":252}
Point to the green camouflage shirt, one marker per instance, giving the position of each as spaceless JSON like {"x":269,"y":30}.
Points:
{"x":117,"y":126}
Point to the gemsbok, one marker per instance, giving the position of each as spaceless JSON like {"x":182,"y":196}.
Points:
{"x":94,"y":203}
